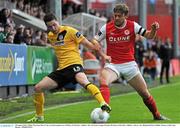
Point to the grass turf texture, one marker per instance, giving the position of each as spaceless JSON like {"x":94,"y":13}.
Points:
{"x":126,"y":108}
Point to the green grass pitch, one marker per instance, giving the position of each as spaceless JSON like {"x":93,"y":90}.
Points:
{"x":127,"y":108}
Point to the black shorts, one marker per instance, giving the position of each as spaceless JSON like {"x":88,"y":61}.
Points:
{"x":66,"y":75}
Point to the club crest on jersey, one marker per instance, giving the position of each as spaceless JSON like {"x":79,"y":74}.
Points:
{"x":60,"y":37}
{"x":60,"y":40}
{"x":126,"y":32}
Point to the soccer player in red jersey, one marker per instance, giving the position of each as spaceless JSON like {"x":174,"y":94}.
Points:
{"x":120,"y":38}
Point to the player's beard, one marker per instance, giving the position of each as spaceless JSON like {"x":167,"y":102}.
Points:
{"x":119,"y":23}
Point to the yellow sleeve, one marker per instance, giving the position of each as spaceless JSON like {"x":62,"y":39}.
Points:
{"x":76,"y":35}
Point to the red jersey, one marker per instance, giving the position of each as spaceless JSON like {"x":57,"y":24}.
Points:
{"x":120,"y":41}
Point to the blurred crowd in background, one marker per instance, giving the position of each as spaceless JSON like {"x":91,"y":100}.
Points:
{"x":158,"y":51}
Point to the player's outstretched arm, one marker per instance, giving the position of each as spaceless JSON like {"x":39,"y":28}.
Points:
{"x":91,"y":45}
{"x":101,"y":53}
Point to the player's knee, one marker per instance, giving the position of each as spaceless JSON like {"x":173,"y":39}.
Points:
{"x":37,"y":88}
{"x":102,"y":81}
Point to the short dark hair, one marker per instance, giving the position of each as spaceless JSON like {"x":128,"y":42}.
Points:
{"x":121,"y":8}
{"x":49,"y":17}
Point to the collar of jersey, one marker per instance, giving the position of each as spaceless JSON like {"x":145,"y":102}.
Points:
{"x":123,"y":25}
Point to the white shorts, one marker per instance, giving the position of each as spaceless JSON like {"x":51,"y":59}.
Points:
{"x":128,"y":70}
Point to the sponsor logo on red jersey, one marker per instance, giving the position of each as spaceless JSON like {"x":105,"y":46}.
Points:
{"x":118,"y":39}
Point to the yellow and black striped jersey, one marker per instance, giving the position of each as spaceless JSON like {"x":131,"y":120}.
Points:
{"x":66,"y":46}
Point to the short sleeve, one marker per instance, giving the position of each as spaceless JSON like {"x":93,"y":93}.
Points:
{"x":138,"y":29}
{"x":76,"y":35}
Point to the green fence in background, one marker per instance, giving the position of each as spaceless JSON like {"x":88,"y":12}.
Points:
{"x":40,"y":62}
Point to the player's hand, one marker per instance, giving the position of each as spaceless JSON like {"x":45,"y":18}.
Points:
{"x":107,"y":59}
{"x":155,"y":26}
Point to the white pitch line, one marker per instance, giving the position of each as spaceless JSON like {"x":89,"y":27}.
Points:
{"x":64,"y":105}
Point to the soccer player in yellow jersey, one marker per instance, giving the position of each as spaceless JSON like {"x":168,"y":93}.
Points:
{"x":65,"y":40}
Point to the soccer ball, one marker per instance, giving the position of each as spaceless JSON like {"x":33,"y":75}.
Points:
{"x":99,"y":116}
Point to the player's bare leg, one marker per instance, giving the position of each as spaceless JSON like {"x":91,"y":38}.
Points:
{"x":139,"y":84}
